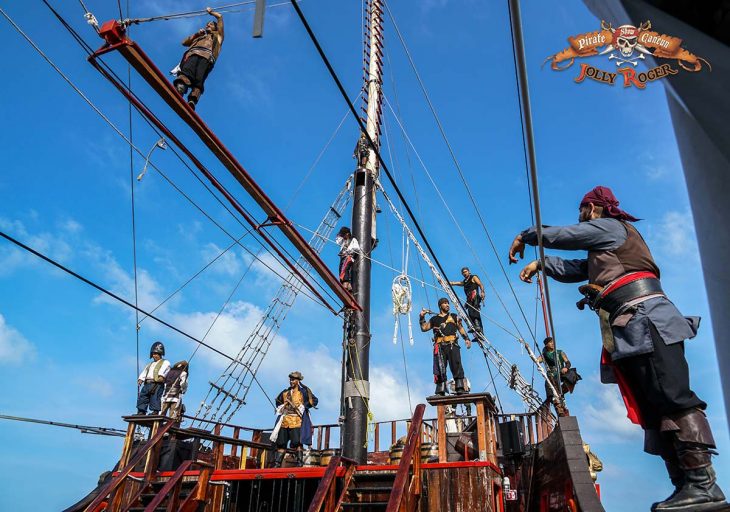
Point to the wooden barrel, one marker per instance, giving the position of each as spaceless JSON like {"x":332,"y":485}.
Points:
{"x":311,"y":458}
{"x":428,"y":451}
{"x":396,"y":453}
{"x":326,"y":455}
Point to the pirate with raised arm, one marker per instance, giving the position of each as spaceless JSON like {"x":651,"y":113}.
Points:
{"x":643,"y":340}
{"x":446,"y":350}
{"x":197,"y":62}
{"x":474,"y":290}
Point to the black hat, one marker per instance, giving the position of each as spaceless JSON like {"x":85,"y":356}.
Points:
{"x":157,"y":348}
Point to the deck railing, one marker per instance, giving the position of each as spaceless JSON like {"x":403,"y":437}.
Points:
{"x":535,"y":426}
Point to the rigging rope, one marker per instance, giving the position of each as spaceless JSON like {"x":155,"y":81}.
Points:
{"x":475,"y":254}
{"x":459,"y":170}
{"x":133,"y":205}
{"x":109,"y":293}
{"x":223,"y":9}
{"x":509,"y":371}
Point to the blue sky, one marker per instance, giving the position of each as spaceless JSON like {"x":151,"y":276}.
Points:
{"x":68,"y":354}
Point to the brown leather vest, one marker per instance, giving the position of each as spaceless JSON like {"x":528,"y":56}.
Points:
{"x":206,"y":46}
{"x":632,"y":256}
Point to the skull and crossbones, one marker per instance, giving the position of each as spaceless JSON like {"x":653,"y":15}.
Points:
{"x":625,"y":40}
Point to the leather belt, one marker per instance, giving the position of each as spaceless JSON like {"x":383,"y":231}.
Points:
{"x":446,"y":339}
{"x":634,"y":286}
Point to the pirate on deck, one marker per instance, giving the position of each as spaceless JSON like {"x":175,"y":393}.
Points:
{"x":446,"y":350}
{"x":643,"y":341}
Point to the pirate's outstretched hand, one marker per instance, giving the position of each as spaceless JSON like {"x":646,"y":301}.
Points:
{"x":529,"y":271}
{"x":518,"y":247}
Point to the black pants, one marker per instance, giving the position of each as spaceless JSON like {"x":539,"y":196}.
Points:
{"x":446,"y":354}
{"x":289,"y":435}
{"x":150,"y":395}
{"x":472,"y":309}
{"x":193,"y":72}
{"x":660,"y":381}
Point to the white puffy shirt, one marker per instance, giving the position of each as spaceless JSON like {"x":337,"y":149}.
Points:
{"x":149,"y":370}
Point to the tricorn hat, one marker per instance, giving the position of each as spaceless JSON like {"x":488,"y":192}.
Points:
{"x":296,"y":375}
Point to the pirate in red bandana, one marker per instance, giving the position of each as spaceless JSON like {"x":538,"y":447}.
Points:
{"x":643,"y":339}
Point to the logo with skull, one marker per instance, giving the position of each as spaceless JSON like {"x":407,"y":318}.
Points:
{"x":625,"y":47}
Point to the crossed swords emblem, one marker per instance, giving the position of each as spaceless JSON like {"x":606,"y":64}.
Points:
{"x":643,"y":51}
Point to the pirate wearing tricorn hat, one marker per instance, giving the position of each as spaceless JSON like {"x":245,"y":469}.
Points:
{"x":446,"y":350}
{"x":643,"y":340}
{"x":293,"y":425}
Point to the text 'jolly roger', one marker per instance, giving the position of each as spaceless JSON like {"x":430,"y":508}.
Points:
{"x":627,"y":45}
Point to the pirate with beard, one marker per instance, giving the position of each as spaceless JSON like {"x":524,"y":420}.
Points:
{"x":643,"y":340}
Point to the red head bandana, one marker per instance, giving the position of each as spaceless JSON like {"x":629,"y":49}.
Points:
{"x":602,"y":196}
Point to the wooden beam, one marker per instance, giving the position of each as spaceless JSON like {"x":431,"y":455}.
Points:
{"x":441,"y":432}
{"x":482,"y":431}
{"x":139,"y":60}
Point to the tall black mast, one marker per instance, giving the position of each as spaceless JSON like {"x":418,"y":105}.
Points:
{"x":357,"y":385}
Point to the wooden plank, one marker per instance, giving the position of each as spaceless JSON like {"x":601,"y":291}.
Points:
{"x":325,"y":486}
{"x":441,"y":432}
{"x":236,"y":435}
{"x":172,"y":482}
{"x":392,"y":433}
{"x":377,"y":437}
{"x":481,"y":431}
{"x":345,"y":485}
{"x":492,"y":439}
{"x":244,"y":458}
{"x":326,"y":438}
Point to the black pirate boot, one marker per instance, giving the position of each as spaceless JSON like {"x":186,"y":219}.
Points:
{"x":278,"y":459}
{"x":181,"y":87}
{"x":300,"y":458}
{"x":692,"y":443}
{"x":440,"y":389}
{"x":459,"y":385}
{"x":676,"y":475}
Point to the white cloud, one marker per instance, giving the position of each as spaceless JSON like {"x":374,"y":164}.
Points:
{"x":13,"y":258}
{"x":228,"y":263}
{"x":14,"y":347}
{"x":228,"y":334}
{"x":605,"y":417}
{"x":675,"y":235}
